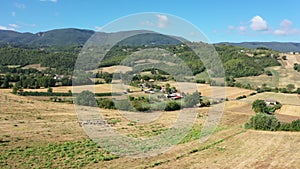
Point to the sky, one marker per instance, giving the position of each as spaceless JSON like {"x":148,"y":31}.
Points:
{"x":219,"y":21}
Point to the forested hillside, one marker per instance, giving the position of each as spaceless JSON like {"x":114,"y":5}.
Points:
{"x":235,"y":62}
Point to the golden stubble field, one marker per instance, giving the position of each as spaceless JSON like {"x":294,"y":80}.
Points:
{"x":30,"y":122}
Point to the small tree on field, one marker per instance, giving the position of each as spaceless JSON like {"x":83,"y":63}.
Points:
{"x":298,"y":90}
{"x":284,"y":57}
{"x":290,"y":87}
{"x":15,"y":90}
{"x":86,"y":98}
{"x":50,"y":90}
{"x":259,"y":106}
{"x":192,"y":100}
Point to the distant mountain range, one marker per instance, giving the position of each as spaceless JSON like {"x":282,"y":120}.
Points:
{"x":72,"y":36}
{"x":278,"y":46}
{"x":58,"y":37}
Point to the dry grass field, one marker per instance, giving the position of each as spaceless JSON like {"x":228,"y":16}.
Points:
{"x":286,"y":99}
{"x":113,"y":69}
{"x":31,"y":125}
{"x":35,"y":66}
{"x":212,"y":91}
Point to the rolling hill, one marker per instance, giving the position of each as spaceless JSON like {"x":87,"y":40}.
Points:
{"x":278,"y":46}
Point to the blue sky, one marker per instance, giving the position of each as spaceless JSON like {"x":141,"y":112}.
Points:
{"x":228,"y":20}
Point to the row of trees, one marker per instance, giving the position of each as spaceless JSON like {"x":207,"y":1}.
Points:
{"x":32,"y":81}
{"x":262,"y":121}
{"x":141,"y":103}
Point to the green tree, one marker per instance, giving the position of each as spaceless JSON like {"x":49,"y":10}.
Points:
{"x":284,"y":57}
{"x":295,"y":125}
{"x":50,"y":90}
{"x":192,"y":100}
{"x":15,"y":90}
{"x":290,"y":87}
{"x":5,"y":82}
{"x":107,"y":79}
{"x":298,"y":90}
{"x":262,"y":121}
{"x":259,"y":106}
{"x":86,"y":98}
{"x":171,"y":106}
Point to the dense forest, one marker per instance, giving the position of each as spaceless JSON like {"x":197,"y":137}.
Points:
{"x":62,"y":60}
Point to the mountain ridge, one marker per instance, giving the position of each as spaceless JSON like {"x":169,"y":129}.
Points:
{"x":75,"y":36}
{"x":277,"y":46}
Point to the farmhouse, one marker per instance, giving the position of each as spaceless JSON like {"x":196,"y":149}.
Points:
{"x":270,"y":102}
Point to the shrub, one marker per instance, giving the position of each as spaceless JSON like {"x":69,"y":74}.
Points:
{"x":192,"y":100}
{"x":263,"y":121}
{"x":172,"y":105}
{"x":241,"y":97}
{"x":259,"y":106}
{"x":123,"y":105}
{"x":295,"y":125}
{"x":200,"y":81}
{"x":50,"y":90}
{"x":204,"y":103}
{"x":86,"y":98}
{"x":106,"y":103}
{"x":141,"y":106}
{"x":285,"y":127}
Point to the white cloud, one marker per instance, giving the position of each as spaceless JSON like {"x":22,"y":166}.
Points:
{"x":54,"y":1}
{"x":286,"y":28}
{"x":258,"y":24}
{"x":286,"y":23}
{"x":163,"y":21}
{"x":230,"y":27}
{"x":14,"y":25}
{"x":280,"y":32}
{"x":20,"y":5}
{"x":147,"y":23}
{"x":98,"y":28}
{"x":13,"y":14}
{"x":242,"y":29}
{"x":6,"y":28}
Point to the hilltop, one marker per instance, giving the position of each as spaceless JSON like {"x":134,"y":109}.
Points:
{"x":277,"y":46}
